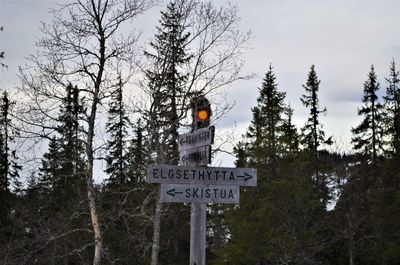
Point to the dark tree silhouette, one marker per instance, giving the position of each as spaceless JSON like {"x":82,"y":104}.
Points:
{"x":368,"y":135}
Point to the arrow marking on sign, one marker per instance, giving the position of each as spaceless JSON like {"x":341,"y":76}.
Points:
{"x":246,"y":176}
{"x":173,"y":192}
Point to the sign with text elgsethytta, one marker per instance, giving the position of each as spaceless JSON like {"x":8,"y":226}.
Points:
{"x":170,"y":174}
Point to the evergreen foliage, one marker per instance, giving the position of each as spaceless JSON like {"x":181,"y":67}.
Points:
{"x":62,"y":171}
{"x":279,"y":222}
{"x":49,"y":171}
{"x":392,"y":111}
{"x":368,"y":135}
{"x":138,"y":154}
{"x":59,"y":191}
{"x":168,"y":88}
{"x":168,"y":77}
{"x":9,"y":169}
{"x":290,"y":136}
{"x":71,"y":175}
{"x":290,"y":218}
{"x":313,"y":136}
{"x":386,"y":201}
{"x":8,"y":135}
{"x":117,"y":125}
{"x":266,"y":131}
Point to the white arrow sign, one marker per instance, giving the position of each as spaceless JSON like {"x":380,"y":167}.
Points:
{"x":195,"y":139}
{"x":197,"y":175}
{"x":199,"y":193}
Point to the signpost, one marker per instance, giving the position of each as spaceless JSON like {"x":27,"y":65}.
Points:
{"x":193,"y":182}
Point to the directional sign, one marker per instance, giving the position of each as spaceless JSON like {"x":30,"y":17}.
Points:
{"x":195,"y":157}
{"x":199,"y":193}
{"x":195,"y":139}
{"x":197,"y":175}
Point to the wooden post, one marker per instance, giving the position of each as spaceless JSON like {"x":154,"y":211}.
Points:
{"x":201,"y":112}
{"x":198,"y":234}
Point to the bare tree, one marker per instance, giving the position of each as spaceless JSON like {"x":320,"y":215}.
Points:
{"x":82,"y":45}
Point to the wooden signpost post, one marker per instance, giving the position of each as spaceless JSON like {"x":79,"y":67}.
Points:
{"x":193,"y":182}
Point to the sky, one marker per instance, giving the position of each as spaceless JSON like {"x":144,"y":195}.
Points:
{"x":342,"y":38}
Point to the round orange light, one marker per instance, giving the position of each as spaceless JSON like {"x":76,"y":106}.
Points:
{"x":202,"y":115}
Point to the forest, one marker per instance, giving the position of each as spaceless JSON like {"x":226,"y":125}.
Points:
{"x":91,"y":93}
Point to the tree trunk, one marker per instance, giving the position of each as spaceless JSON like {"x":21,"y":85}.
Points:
{"x":350,"y":234}
{"x":155,"y":248}
{"x":98,"y":237}
{"x":351,"y":256}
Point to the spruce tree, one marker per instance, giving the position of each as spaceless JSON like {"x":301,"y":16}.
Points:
{"x":290,"y":137}
{"x":167,"y":78}
{"x":70,"y":179}
{"x":9,"y":170}
{"x":392,"y":111}
{"x":368,"y":135}
{"x":50,"y":168}
{"x":138,"y":154}
{"x":361,"y":190}
{"x":9,"y":166}
{"x":241,"y":155}
{"x":125,"y":201}
{"x":386,"y":203}
{"x":265,"y":133}
{"x":312,"y":134}
{"x":60,"y":185}
{"x":167,"y":84}
{"x":117,"y":125}
{"x":270,"y":139}
{"x":62,"y":168}
{"x":254,"y":135}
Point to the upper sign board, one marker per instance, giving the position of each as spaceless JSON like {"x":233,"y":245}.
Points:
{"x":195,"y":139}
{"x":197,"y":175}
{"x":199,"y":193}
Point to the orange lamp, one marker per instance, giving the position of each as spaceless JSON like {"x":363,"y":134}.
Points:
{"x":202,"y":115}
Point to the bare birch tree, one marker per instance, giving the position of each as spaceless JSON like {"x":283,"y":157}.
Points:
{"x":82,"y":45}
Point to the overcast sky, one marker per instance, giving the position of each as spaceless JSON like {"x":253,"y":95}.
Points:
{"x":341,"y":37}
